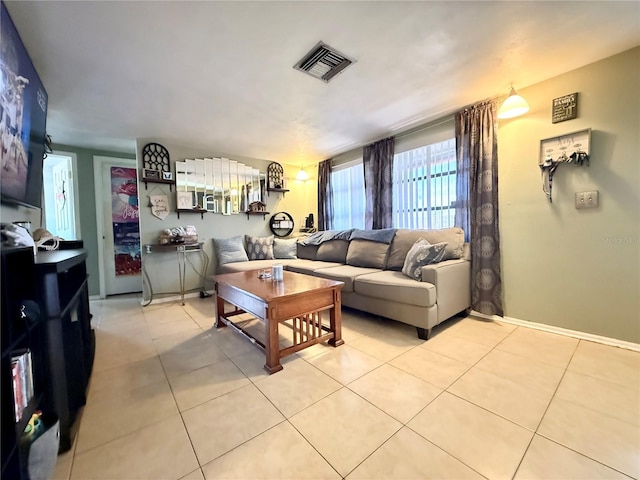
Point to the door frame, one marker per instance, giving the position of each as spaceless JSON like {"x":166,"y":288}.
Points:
{"x":98,"y":162}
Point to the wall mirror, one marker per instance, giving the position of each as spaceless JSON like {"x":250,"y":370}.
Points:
{"x":217,"y":185}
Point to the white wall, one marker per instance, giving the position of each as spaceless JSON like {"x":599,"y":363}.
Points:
{"x":575,"y":269}
{"x":10,"y":214}
{"x":298,"y":202}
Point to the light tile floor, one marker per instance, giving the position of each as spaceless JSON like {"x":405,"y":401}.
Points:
{"x":173,"y":398}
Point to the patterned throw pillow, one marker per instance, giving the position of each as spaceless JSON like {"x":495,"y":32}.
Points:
{"x":285,"y":248}
{"x":259,"y":248}
{"x":230,"y":250}
{"x":420,"y":254}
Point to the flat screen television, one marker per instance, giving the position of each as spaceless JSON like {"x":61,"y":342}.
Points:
{"x":23,"y":120}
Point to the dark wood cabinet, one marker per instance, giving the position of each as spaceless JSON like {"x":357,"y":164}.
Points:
{"x":22,"y":330}
{"x":45,"y":311}
{"x":69,"y":342}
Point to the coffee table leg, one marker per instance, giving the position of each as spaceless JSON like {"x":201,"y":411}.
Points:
{"x":219,"y":310}
{"x":335,"y":320}
{"x":272,"y":347}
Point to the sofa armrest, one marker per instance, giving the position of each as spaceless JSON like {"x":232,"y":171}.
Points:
{"x":452,"y":279}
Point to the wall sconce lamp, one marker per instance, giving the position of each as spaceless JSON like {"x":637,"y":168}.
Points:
{"x":302,"y":175}
{"x":513,"y":106}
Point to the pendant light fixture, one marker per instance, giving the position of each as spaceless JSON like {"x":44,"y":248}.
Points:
{"x":302,"y":175}
{"x":513,"y":106}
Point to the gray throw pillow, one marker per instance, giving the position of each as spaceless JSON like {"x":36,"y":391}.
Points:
{"x":230,"y":250}
{"x":420,"y":254}
{"x":259,"y":248}
{"x":285,"y":248}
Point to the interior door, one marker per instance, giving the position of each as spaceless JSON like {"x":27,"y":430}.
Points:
{"x":119,"y":220}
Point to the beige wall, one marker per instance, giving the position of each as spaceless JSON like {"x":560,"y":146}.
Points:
{"x":163,"y":268}
{"x":575,"y":269}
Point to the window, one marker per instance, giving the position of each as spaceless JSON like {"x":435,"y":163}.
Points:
{"x":347,"y":184}
{"x":424,"y":186}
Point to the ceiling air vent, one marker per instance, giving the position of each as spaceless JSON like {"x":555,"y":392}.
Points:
{"x":323,"y":62}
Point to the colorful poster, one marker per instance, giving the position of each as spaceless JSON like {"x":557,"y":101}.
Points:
{"x":125,"y":219}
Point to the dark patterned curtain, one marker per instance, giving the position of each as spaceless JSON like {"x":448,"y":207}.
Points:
{"x":325,"y":196}
{"x":477,"y":202}
{"x":378,"y":178}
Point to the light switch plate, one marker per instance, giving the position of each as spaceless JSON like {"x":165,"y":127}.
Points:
{"x":587,"y":199}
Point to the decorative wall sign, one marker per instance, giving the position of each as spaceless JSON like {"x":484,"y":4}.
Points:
{"x":564,"y":108}
{"x":184,"y":200}
{"x":155,"y":157}
{"x":151,"y":174}
{"x":275,"y":176}
{"x":159,"y":206}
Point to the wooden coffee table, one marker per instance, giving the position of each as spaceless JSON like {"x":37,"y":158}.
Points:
{"x":299,"y":299}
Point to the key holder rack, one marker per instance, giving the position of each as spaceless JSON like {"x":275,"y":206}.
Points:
{"x":572,"y":148}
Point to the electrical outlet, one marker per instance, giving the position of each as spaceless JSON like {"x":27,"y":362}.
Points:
{"x":587,"y":199}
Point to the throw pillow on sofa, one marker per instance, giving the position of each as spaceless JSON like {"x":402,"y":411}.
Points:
{"x":420,"y":254}
{"x":259,"y":248}
{"x":229,"y":250}
{"x":285,"y":248}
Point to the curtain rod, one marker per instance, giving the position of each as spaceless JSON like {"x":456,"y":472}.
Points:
{"x":435,"y":123}
{"x":420,"y":128}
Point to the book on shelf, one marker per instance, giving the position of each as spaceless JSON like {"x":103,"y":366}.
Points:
{"x":22,"y":375}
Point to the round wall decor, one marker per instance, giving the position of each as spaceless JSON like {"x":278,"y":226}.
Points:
{"x":281,"y":224}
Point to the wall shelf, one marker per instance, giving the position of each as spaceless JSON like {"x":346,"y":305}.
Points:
{"x":158,"y":180}
{"x":279,"y":190}
{"x":201,"y":211}
{"x":264,"y":214}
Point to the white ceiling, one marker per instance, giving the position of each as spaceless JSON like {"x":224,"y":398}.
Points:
{"x":218,"y":76}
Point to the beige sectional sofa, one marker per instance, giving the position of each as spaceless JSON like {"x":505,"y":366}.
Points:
{"x":373,"y":278}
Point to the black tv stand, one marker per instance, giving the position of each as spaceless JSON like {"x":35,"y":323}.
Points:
{"x":69,"y":342}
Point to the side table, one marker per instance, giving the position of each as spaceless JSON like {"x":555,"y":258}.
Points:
{"x":181,"y":250}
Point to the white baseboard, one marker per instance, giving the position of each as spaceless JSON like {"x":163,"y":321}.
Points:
{"x":561,"y":331}
{"x":173,"y":298}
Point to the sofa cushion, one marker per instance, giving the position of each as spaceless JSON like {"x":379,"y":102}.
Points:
{"x":344,"y":273}
{"x":253,"y":265}
{"x":230,"y":250}
{"x":365,"y":253}
{"x":308,"y":266}
{"x":259,"y":248}
{"x":405,"y":238}
{"x":396,"y":287}
{"x":308,"y":252}
{"x":333,"y":251}
{"x":422,"y":253}
{"x":285,"y":248}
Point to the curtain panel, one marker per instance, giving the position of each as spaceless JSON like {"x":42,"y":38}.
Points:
{"x":325,"y":196}
{"x":378,"y":183}
{"x":477,"y":202}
